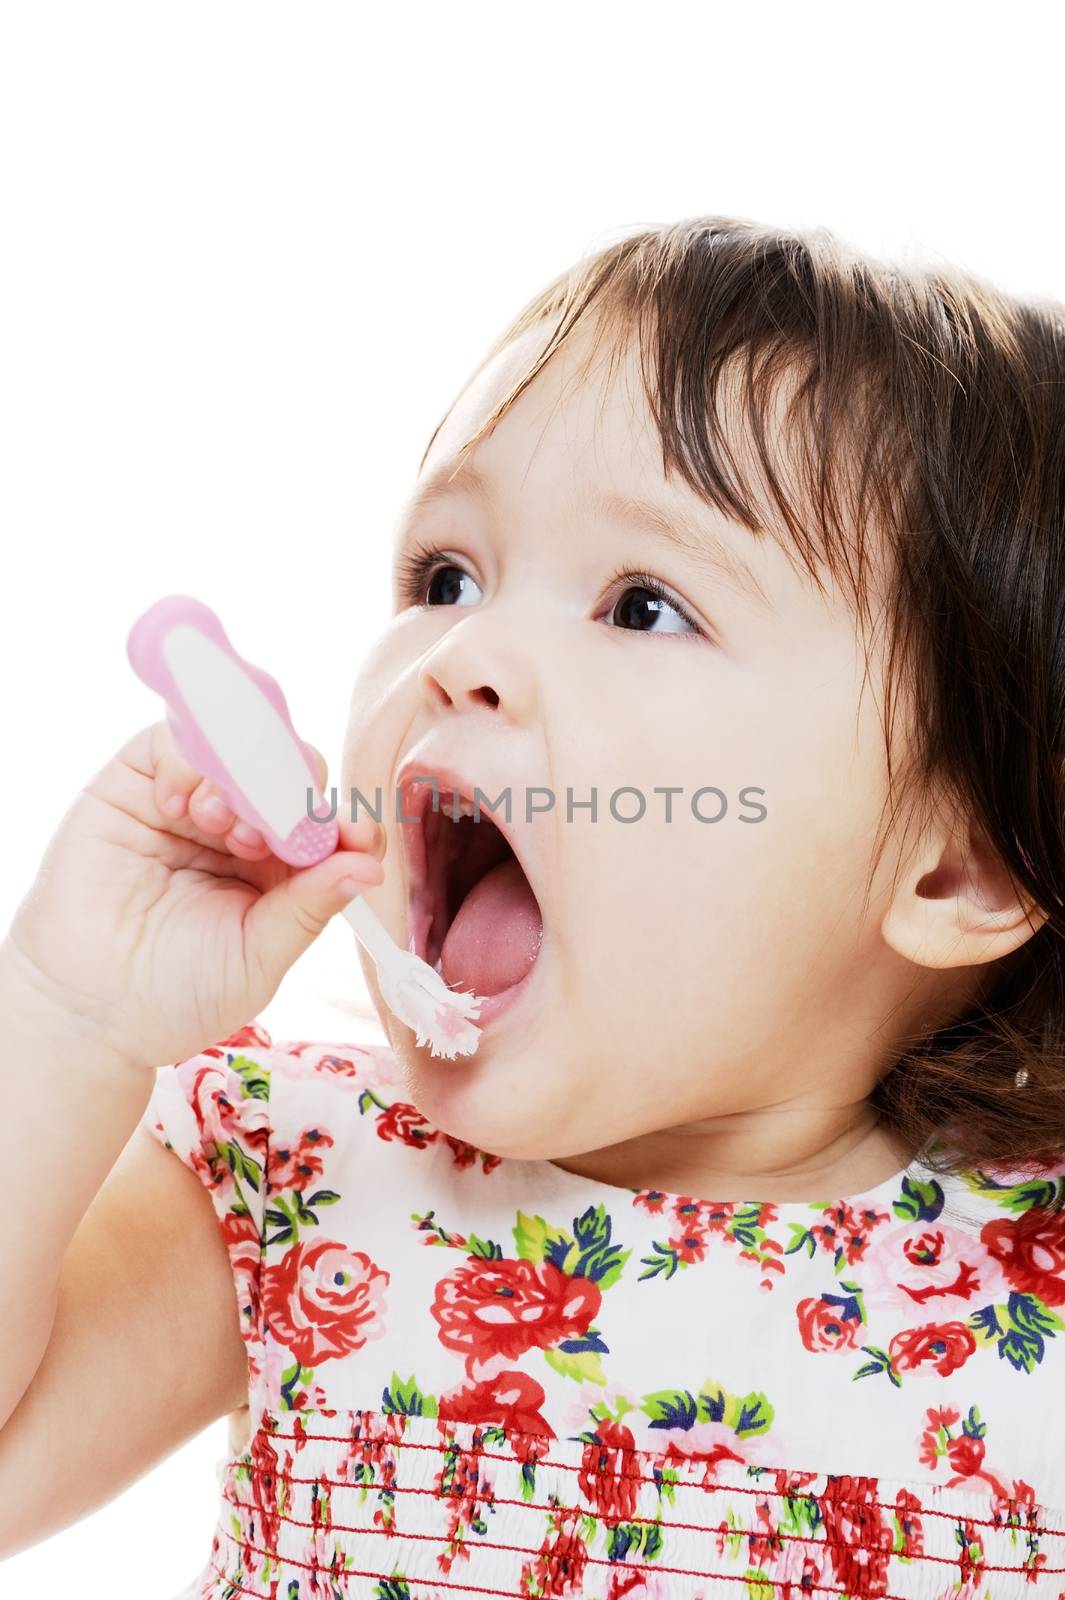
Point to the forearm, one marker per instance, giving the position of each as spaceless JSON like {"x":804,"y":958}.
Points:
{"x":68,"y":1105}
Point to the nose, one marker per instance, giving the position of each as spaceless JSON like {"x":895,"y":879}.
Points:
{"x":473,"y":666}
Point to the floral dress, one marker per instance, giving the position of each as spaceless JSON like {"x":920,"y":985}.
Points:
{"x":482,"y":1376}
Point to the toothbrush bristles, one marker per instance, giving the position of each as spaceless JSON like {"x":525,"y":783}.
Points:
{"x":440,"y":1017}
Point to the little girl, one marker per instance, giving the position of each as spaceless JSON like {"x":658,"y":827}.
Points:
{"x":734,"y":1258}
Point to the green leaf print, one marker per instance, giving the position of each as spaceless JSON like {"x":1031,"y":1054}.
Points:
{"x":605,"y":1270}
{"x":746,"y":1414}
{"x":287,"y":1214}
{"x":1021,"y":1328}
{"x":667,"y":1479}
{"x":881,"y":1362}
{"x":407,"y":1399}
{"x":240,"y":1164}
{"x":485,"y":1249}
{"x":800,"y":1516}
{"x":801,"y":1239}
{"x":584,"y":1368}
{"x":292,"y":1379}
{"x":1024,"y":1344}
{"x":665,"y":1261}
{"x":671,"y":1408}
{"x":254,"y":1077}
{"x":592,"y":1228}
{"x":626,"y":1539}
{"x":920,"y":1202}
{"x":530,"y":1238}
{"x":1046,"y":1193}
{"x":394,"y":1588}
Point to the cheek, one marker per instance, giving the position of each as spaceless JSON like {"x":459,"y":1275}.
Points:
{"x":382,"y":701}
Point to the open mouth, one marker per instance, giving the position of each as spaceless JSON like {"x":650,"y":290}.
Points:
{"x":473,"y":914}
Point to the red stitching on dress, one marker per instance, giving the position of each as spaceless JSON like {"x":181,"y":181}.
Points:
{"x":618,"y":1566}
{"x":371,"y":1440}
{"x":481,"y":1543}
{"x":348,"y":1572}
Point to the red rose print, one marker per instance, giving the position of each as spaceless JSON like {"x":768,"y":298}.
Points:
{"x":263,"y":1485}
{"x":858,"y":1537}
{"x":610,"y":1472}
{"x":225,"y":1116}
{"x":463,"y":1154}
{"x":250,"y":1034}
{"x":339,"y":1066}
{"x":908,"y":1512}
{"x":824,"y":1327}
{"x":298,"y":1165}
{"x":400,"y":1121}
{"x":322,"y":1300}
{"x":242,"y":1242}
{"x":845,"y":1232}
{"x":966,"y":1454}
{"x":943,"y":1346}
{"x":1031,"y":1248}
{"x":510,"y":1399}
{"x":690,"y":1244}
{"x":504,"y":1308}
{"x":559,"y":1566}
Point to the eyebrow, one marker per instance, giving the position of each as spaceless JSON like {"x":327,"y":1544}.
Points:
{"x":705,"y":550}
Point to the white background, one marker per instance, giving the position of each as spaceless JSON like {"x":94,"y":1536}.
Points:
{"x":249,"y":254}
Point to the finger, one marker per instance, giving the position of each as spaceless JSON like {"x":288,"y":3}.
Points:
{"x":247,"y":842}
{"x":209,"y":809}
{"x":318,"y":762}
{"x":284,"y":922}
{"x":363,"y":834}
{"x":175,"y":781}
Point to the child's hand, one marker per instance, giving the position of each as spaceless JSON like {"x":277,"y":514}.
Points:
{"x":159,"y":934}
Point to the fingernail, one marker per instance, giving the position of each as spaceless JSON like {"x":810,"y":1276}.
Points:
{"x":174,"y":805}
{"x":245,"y":834}
{"x":214,"y":808}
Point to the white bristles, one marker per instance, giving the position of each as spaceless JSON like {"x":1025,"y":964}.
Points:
{"x":414,"y":991}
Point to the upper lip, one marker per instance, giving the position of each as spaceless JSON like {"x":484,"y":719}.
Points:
{"x":415,"y":799}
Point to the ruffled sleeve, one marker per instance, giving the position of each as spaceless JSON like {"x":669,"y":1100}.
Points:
{"x":213,"y":1111}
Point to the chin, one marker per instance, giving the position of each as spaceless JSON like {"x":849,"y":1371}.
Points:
{"x":474,"y":1099}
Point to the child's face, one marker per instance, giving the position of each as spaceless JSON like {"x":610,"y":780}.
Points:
{"x":688,"y":969}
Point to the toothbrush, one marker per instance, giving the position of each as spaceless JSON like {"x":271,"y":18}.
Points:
{"x":231,"y":722}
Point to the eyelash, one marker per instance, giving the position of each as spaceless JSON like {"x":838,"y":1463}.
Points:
{"x":418,"y":565}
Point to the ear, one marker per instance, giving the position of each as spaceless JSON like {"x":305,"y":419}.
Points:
{"x":955,"y":905}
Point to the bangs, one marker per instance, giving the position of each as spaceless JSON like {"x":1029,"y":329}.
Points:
{"x":771,"y":398}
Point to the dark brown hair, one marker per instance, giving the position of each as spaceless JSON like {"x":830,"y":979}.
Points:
{"x":931,"y":410}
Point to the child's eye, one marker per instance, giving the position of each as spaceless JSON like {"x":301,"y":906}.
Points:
{"x":423,"y":579}
{"x":650,"y":604}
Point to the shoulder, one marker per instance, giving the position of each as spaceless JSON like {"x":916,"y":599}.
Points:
{"x":333,"y":1090}
{"x":275,"y":1129}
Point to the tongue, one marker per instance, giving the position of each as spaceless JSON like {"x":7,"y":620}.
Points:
{"x":493,"y":940}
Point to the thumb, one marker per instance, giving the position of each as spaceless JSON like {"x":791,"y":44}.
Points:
{"x":285,"y":921}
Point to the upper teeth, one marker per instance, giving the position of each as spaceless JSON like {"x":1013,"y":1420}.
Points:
{"x":456,"y":804}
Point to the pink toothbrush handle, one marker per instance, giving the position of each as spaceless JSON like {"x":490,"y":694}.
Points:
{"x":227,"y":714}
